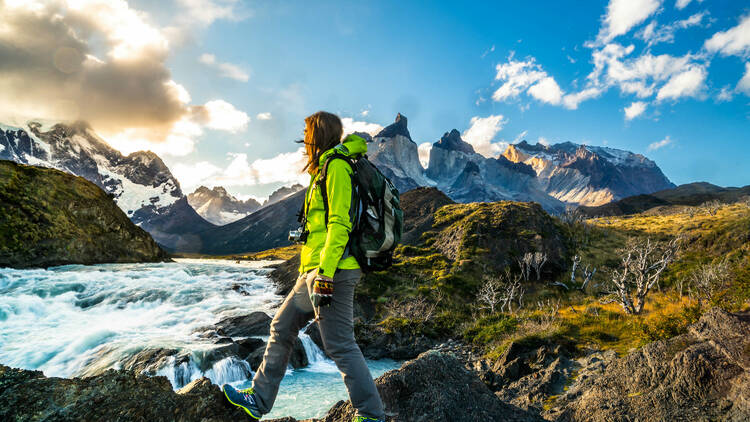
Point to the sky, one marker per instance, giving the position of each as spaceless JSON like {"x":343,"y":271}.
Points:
{"x":219,"y":88}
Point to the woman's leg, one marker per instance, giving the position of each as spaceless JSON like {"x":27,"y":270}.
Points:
{"x":337,"y":331}
{"x":291,"y":317}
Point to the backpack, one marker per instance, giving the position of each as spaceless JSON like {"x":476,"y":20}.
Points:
{"x":378,"y":218}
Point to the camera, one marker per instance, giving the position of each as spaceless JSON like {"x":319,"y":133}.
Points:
{"x":298,"y":235}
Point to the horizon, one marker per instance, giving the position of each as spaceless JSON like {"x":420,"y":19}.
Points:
{"x":218,"y":89}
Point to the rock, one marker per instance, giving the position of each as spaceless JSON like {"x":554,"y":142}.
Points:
{"x":251,"y":344}
{"x":701,"y":375}
{"x":218,"y":206}
{"x":285,"y":275}
{"x":395,"y":154}
{"x":298,"y":359}
{"x":435,"y":386}
{"x":255,"y":358}
{"x":253,"y":324}
{"x":452,"y":141}
{"x":113,"y":395}
{"x":376,"y":343}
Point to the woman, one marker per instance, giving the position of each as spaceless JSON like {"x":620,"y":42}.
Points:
{"x":325,"y":287}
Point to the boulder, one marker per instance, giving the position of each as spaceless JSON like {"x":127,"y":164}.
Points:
{"x":254,"y":324}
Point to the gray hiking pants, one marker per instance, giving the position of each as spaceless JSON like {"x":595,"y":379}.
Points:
{"x":336,"y":329}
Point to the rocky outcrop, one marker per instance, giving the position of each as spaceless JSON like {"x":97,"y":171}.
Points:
{"x":395,"y":154}
{"x":50,"y":217}
{"x":436,"y":386}
{"x":113,"y":395}
{"x":282,"y":192}
{"x":218,"y":206}
{"x":497,"y":234}
{"x":701,"y":375}
{"x":140,"y":183}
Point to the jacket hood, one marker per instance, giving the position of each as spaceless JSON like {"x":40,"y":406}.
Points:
{"x":351,"y":146}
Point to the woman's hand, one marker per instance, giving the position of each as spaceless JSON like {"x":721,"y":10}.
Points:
{"x":322,"y":291}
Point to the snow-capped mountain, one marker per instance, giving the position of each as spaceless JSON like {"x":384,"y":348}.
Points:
{"x":554,"y":176}
{"x":140,"y":183}
{"x":589,"y":175}
{"x":219,"y":207}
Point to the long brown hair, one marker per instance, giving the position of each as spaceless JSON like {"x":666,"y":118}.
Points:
{"x":323,"y":131}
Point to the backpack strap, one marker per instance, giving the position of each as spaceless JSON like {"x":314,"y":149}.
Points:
{"x":322,"y":179}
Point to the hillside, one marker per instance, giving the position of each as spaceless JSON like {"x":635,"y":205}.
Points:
{"x":49,"y":217}
{"x":690,"y":194}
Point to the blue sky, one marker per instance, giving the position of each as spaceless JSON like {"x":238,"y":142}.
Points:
{"x":500,"y":72}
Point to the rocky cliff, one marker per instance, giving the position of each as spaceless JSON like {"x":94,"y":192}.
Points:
{"x":49,"y":217}
{"x":395,"y":154}
{"x":140,"y":183}
{"x":588,"y":175}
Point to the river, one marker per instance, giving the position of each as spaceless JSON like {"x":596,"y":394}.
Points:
{"x":78,"y":320}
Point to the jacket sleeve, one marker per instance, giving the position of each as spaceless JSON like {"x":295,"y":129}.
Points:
{"x":339,"y":190}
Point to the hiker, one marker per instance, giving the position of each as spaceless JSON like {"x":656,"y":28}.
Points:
{"x":327,"y":276}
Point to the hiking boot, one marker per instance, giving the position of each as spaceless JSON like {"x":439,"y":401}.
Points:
{"x":366,"y":419}
{"x":244,"y":399}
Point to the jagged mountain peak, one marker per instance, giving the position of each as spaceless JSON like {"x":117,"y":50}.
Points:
{"x":399,"y":127}
{"x":452,"y":141}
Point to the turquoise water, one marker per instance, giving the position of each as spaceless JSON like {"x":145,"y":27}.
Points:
{"x":80,"y":320}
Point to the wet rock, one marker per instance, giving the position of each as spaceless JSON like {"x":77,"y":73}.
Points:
{"x":251,"y":344}
{"x":148,"y":361}
{"x":701,"y":375}
{"x":436,"y":386}
{"x":254,"y":324}
{"x":113,"y":395}
{"x":255,"y":358}
{"x":298,"y":359}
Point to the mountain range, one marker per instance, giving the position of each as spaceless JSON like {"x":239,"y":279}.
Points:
{"x":140,"y":183}
{"x":213,"y":221}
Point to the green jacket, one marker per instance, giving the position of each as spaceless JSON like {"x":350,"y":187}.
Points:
{"x":325,"y":245}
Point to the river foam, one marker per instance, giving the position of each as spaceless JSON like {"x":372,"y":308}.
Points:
{"x":79,"y":320}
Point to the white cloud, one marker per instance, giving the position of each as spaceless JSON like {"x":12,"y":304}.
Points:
{"x":546,"y":91}
{"x":221,"y":115}
{"x":351,"y":126}
{"x":517,"y":77}
{"x":685,"y":84}
{"x":542,"y":140}
{"x":681,"y":4}
{"x":424,"y":153}
{"x":634,"y":110}
{"x":520,"y":136}
{"x":282,"y":168}
{"x":622,"y":15}
{"x":732,"y":42}
{"x":571,"y":101}
{"x":226,"y":70}
{"x":660,"y":144}
{"x":654,"y":34}
{"x":264,"y":116}
{"x":726,"y":94}
{"x":104,"y":62}
{"x":744,"y":84}
{"x":482,"y":131}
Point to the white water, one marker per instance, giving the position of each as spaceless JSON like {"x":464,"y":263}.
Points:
{"x":80,"y":320}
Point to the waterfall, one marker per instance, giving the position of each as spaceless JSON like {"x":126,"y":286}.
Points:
{"x":317,"y":359}
{"x":225,"y":371}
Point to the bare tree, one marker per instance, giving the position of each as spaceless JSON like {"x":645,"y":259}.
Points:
{"x":415,"y":307}
{"x":574,"y":284}
{"x":525,"y":263}
{"x":537,"y":261}
{"x":710,"y":279}
{"x":643,"y":261}
{"x":549,"y":310}
{"x":501,"y":292}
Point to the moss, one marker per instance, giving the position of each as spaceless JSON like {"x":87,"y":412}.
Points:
{"x":490,"y":328}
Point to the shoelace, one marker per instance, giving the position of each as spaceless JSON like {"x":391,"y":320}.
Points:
{"x":247,"y":393}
